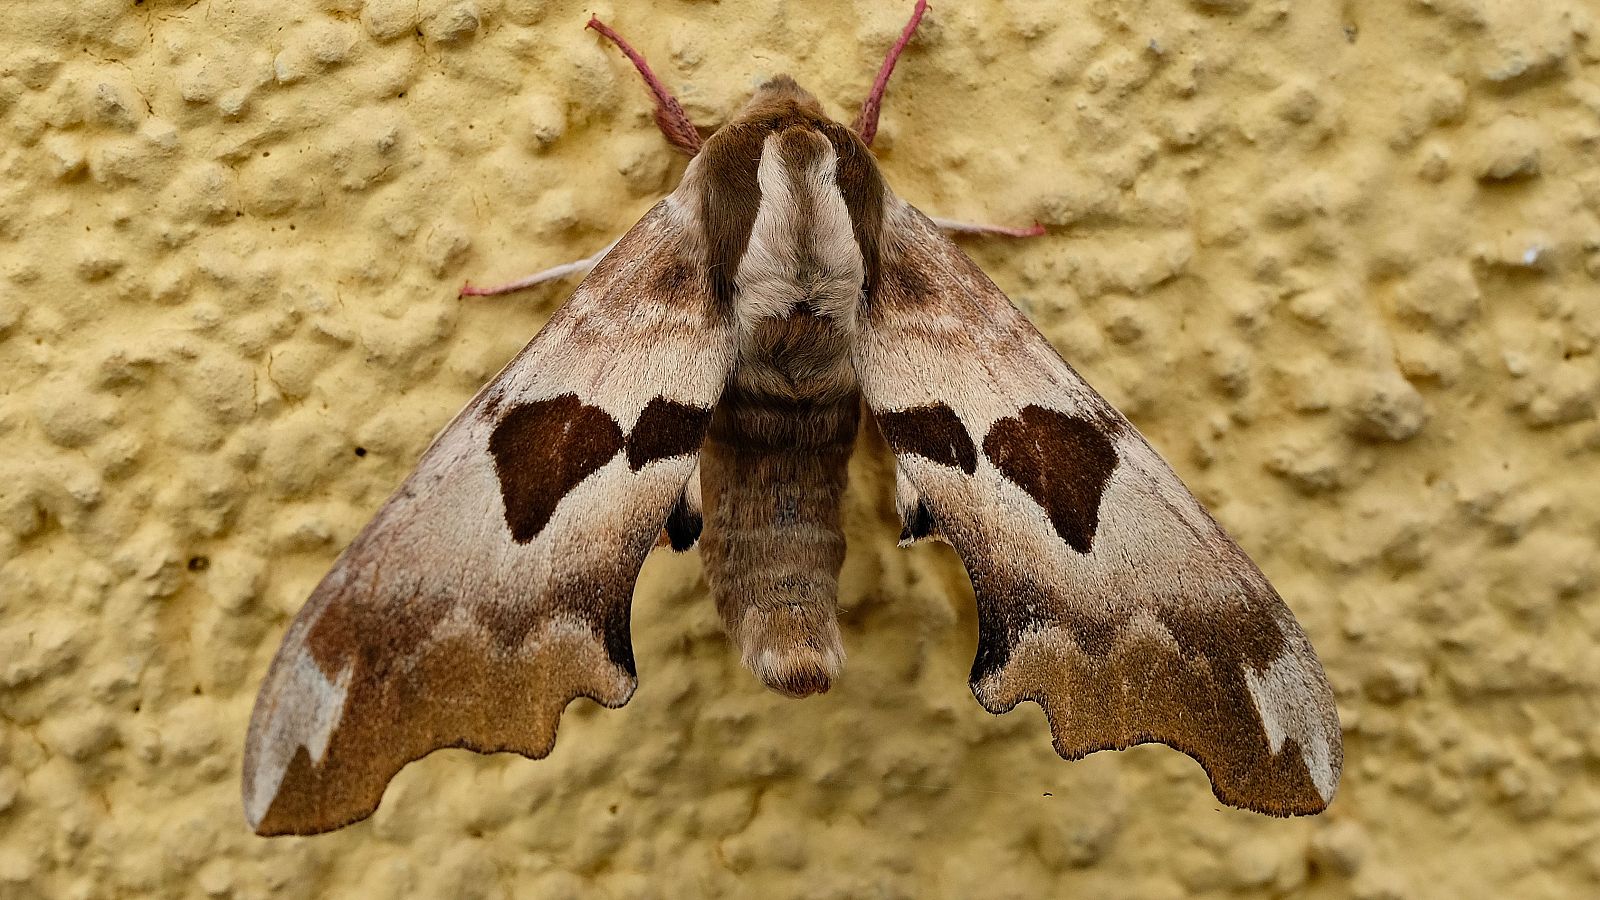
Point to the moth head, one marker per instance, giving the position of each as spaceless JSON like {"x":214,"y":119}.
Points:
{"x":723,"y":183}
{"x":780,"y":98}
{"x":780,"y":104}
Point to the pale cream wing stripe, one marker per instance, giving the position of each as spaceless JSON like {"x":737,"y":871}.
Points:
{"x":494,"y":586}
{"x":1106,"y":593}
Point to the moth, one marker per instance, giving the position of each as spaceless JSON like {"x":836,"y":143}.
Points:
{"x":704,"y":385}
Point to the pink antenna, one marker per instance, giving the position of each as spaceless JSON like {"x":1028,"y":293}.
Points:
{"x":866,"y":124}
{"x":669,"y":114}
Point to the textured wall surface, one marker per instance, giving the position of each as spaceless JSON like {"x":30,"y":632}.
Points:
{"x":1340,"y":261}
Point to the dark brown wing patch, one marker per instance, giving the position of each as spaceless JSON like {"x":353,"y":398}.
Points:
{"x":934,"y":432}
{"x":666,"y":429}
{"x":674,"y":278}
{"x":1062,"y":461}
{"x":544,"y":449}
{"x":336,"y":637}
{"x":1009,"y":609}
{"x":1242,"y":632}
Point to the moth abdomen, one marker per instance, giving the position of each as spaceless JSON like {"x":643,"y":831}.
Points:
{"x":773,"y":472}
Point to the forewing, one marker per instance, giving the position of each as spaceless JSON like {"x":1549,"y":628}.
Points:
{"x":1106,"y":593}
{"x":494,"y":586}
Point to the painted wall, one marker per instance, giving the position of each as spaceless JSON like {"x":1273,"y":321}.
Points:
{"x":1340,"y":261}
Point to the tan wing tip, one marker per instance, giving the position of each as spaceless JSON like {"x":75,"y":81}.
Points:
{"x":348,"y":784}
{"x":1244,"y":769}
{"x":315,"y":799}
{"x":300,"y":805}
{"x":1266,"y":793}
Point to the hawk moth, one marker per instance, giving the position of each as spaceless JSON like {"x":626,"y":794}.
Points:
{"x":704,"y":385}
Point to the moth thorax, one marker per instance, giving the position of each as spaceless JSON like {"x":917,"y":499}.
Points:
{"x":802,"y":254}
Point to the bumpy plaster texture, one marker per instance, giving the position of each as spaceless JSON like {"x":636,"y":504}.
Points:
{"x":1341,"y":262}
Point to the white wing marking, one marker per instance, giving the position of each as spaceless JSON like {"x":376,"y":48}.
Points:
{"x":309,"y":707}
{"x":1282,"y":695}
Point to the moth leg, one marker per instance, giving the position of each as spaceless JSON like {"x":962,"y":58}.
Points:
{"x":554,"y":273}
{"x":687,"y":520}
{"x":916,"y":522}
{"x":954,"y":227}
{"x":773,"y":543}
{"x":670,"y":117}
{"x":866,"y":123}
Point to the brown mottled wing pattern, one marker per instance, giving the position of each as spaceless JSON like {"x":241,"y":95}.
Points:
{"x":1106,"y":593}
{"x":494,"y":587}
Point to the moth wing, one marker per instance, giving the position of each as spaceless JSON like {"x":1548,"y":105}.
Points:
{"x":1106,"y":593}
{"x":494,"y":586}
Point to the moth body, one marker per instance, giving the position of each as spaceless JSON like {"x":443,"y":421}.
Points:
{"x":708,"y":378}
{"x":773,"y":468}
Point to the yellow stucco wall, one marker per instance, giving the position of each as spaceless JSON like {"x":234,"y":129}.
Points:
{"x":1340,"y":261}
